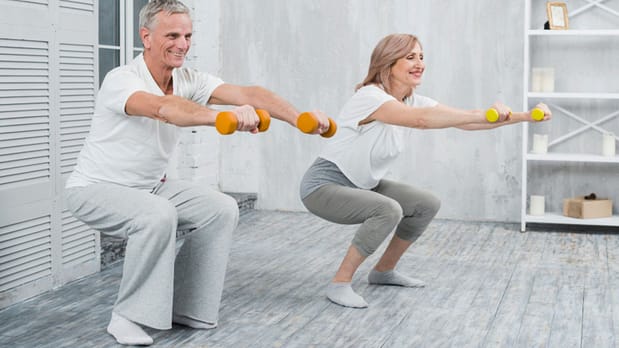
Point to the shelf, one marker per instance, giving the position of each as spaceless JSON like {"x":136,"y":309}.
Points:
{"x":572,"y":157}
{"x":596,"y":108}
{"x":574,"y":32}
{"x":572,"y":95}
{"x":556,"y":218}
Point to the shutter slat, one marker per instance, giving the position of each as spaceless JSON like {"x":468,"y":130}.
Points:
{"x":25,"y":178}
{"x":72,"y":133}
{"x":30,"y":129}
{"x":39,"y":134}
{"x":35,"y":250}
{"x":73,"y":146}
{"x":79,"y":258}
{"x":86,"y":6}
{"x":9,"y":151}
{"x":27,"y":276}
{"x":23,"y":120}
{"x":77,"y":97}
{"x":41,"y":100}
{"x":16,"y":106}
{"x":26,"y":260}
{"x":28,"y":155}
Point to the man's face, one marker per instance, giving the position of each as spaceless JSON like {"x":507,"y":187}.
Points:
{"x":169,"y":39}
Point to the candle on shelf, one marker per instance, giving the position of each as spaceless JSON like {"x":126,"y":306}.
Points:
{"x":537,"y":205}
{"x":540,"y":143}
{"x":608,"y":144}
{"x":548,"y":80}
{"x":536,"y":79}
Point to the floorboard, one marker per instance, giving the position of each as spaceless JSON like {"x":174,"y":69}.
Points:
{"x":488,"y":285}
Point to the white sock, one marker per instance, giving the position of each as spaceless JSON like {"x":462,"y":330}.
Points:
{"x":394,"y":278}
{"x":193,"y":323}
{"x":127,"y":332}
{"x":344,"y":295}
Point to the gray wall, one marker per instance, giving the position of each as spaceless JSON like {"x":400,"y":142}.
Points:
{"x":314,"y":52}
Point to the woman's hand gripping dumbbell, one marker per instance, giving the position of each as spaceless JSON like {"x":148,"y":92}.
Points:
{"x":538,"y":113}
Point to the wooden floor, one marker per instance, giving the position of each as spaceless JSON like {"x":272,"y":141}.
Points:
{"x":488,"y":286}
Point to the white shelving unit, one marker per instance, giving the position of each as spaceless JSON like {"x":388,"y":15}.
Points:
{"x":557,"y":100}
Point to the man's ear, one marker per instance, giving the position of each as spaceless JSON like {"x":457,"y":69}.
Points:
{"x":145,"y":36}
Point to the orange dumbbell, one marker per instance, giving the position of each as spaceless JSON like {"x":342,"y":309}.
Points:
{"x":226,"y":121}
{"x":308,"y":123}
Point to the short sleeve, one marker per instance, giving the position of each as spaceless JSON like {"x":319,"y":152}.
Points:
{"x":420,"y":101}
{"x":196,"y":85}
{"x":362,"y":104}
{"x":117,"y":87}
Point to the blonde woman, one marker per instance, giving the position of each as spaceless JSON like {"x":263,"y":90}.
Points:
{"x":346,"y":182}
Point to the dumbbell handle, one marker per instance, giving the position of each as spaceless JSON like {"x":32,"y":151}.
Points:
{"x":308,"y":123}
{"x":492,"y":115}
{"x":227,"y":122}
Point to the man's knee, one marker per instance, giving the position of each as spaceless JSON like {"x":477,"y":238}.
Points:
{"x":225,"y":211}
{"x":229,"y":210}
{"x":161,"y":221}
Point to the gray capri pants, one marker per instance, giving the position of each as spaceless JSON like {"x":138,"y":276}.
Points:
{"x":387,"y":206}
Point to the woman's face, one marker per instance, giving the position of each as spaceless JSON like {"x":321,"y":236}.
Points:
{"x":408,"y":70}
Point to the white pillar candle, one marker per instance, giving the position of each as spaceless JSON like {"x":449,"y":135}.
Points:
{"x":608,"y":144}
{"x":537,"y":205}
{"x":540,"y":143}
{"x":536,"y":79}
{"x":548,"y":80}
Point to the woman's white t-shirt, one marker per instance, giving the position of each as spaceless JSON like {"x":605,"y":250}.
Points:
{"x":133,"y":150}
{"x":365,"y":153}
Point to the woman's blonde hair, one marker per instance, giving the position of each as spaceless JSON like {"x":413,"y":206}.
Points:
{"x":386,"y":53}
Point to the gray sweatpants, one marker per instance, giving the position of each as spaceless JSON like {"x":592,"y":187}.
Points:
{"x":156,"y":281}
{"x":387,"y":206}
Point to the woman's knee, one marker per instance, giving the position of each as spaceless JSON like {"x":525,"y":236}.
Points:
{"x":432,"y":205}
{"x":390,"y":212}
{"x":374,"y":230}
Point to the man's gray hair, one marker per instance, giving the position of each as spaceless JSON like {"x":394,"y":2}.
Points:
{"x":150,"y":10}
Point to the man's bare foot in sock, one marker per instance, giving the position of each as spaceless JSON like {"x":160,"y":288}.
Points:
{"x":193,"y":323}
{"x":127,"y":332}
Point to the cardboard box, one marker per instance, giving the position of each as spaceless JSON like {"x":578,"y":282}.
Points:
{"x":579,"y":207}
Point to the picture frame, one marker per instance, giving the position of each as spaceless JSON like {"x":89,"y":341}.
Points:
{"x":557,"y":15}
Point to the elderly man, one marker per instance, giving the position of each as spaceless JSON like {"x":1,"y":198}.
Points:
{"x":119,"y":186}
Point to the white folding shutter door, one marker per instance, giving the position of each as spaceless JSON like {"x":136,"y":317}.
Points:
{"x":80,"y":244}
{"x":26,"y":173}
{"x":77,"y":37}
{"x":47,"y":85}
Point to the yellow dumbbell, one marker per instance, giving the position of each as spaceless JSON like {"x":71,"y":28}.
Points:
{"x":226,"y":121}
{"x":537,"y":114}
{"x":492,"y":115}
{"x":308,"y":123}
